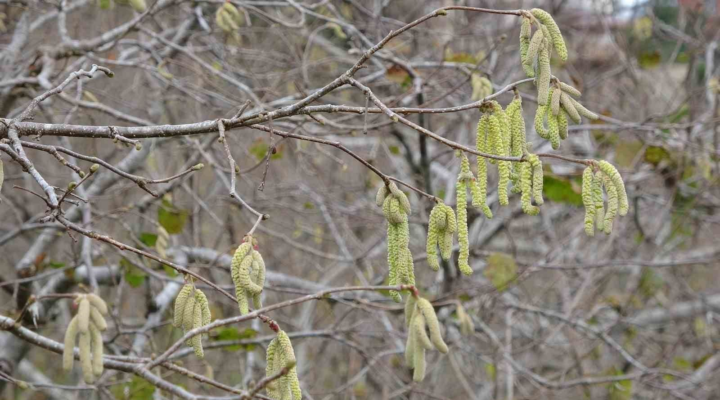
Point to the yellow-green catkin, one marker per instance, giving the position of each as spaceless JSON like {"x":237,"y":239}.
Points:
{"x":86,"y":362}
{"x":612,"y":203}
{"x":569,"y":106}
{"x":582,"y":110}
{"x":280,"y":354}
{"x":433,"y":325}
{"x":464,"y":254}
{"x":526,"y":186}
{"x":84,"y":315}
{"x":463,"y":179}
{"x":524,"y":46}
{"x":517,"y":127}
{"x":396,"y":208}
{"x":481,"y":86}
{"x":562,"y":125}
{"x":189,"y":315}
{"x":588,"y":201}
{"x":422,"y":315}
{"x":479,"y":188}
{"x":97,"y":319}
{"x":570,"y":89}
{"x":192,"y":311}
{"x":180,"y":301}
{"x":534,"y":47}
{"x":599,"y":201}
{"x":553,"y":126}
{"x":543,"y":80}
{"x":196,"y":341}
{"x":518,"y":140}
{"x":540,"y":114}
{"x":555,"y":35}
{"x":258,"y":277}
{"x":612,"y":173}
{"x":98,"y":303}
{"x":70,"y":336}
{"x":241,"y":260}
{"x":494,"y":142}
{"x":445,"y":242}
{"x":555,"y":101}
{"x":409,"y":309}
{"x":96,"y":342}
{"x":537,"y":178}
{"x":90,"y":314}
{"x":270,"y":355}
{"x":442,"y":223}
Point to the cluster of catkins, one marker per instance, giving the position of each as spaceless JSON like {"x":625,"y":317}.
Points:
{"x":192,"y":311}
{"x":248,"y":274}
{"x":228,"y":18}
{"x":553,"y":96}
{"x":481,"y":86}
{"x":88,"y":324}
{"x":601,"y":175}
{"x":531,"y":184}
{"x":280,"y":355}
{"x":440,"y":233}
{"x":502,"y":133}
{"x":419,"y":316}
{"x":396,"y":208}
{"x":556,"y":111}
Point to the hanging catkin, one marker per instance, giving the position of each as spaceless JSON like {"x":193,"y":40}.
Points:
{"x":555,"y":35}
{"x":598,"y":199}
{"x":280,"y":354}
{"x":440,"y":233}
{"x":88,"y":325}
{"x":537,"y":178}
{"x":479,"y":189}
{"x":192,"y":311}
{"x":464,"y":178}
{"x":524,"y":45}
{"x":612,"y":203}
{"x":422,"y":317}
{"x":612,"y":173}
{"x":588,"y":200}
{"x":396,"y":208}
{"x":248,"y":274}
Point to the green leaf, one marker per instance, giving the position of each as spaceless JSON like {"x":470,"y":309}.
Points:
{"x":169,"y":271}
{"x":171,"y":218}
{"x":56,"y":264}
{"x":655,"y":155}
{"x":621,"y":390}
{"x":501,"y":269}
{"x":230,"y":333}
{"x":394,"y":150}
{"x":134,"y":276}
{"x":490,"y":371}
{"x":259,"y":149}
{"x":148,"y":239}
{"x":137,"y":389}
{"x":682,"y":364}
{"x":649,"y":59}
{"x":560,"y":190}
